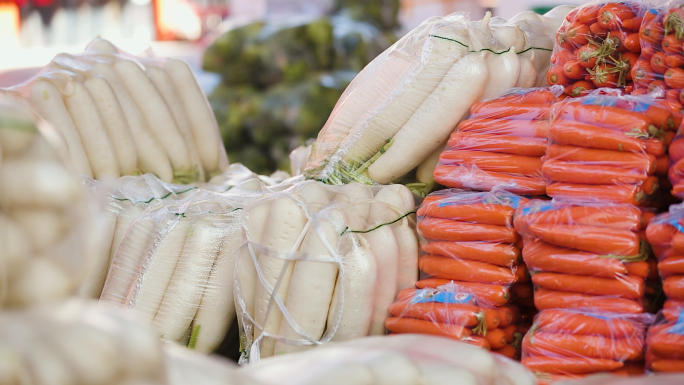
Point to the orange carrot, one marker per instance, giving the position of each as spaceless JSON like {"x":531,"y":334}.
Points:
{"x":483,"y":213}
{"x":448,"y":230}
{"x":463,"y":177}
{"x":521,"y":273}
{"x":574,"y":365}
{"x":574,"y":69}
{"x":505,"y":316}
{"x":510,"y":127}
{"x":532,"y":96}
{"x":658,"y":63}
{"x":640,"y":269}
{"x":615,"y":217}
{"x":623,"y":286}
{"x":674,"y":60}
{"x":671,"y":266}
{"x":591,"y":239}
{"x":495,"y":253}
{"x":543,"y":256}
{"x":677,"y":149}
{"x":662,"y":165}
{"x":498,"y":143}
{"x":409,"y":325}
{"x":463,"y":270}
{"x":587,"y":135}
{"x":667,"y":345}
{"x":631,"y":194}
{"x":549,"y":299}
{"x":668,"y":366}
{"x":633,"y":23}
{"x":521,"y":290}
{"x":577,"y":172}
{"x":571,"y":345}
{"x":655,"y":147}
{"x":496,"y":338}
{"x":631,"y":42}
{"x":491,"y":161}
{"x":674,"y":77}
{"x":643,"y":163}
{"x":605,"y":116}
{"x":556,"y":76}
{"x":673,"y":304}
{"x":510,"y":331}
{"x":674,"y":287}
{"x":448,"y":313}
{"x":507,"y":351}
{"x":486,"y":294}
{"x":478,"y":341}
{"x":671,"y":45}
{"x":570,"y":322}
{"x":660,"y":233}
{"x":497,"y":110}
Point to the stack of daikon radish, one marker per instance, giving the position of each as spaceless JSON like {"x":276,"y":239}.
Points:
{"x":126,"y":115}
{"x":45,"y":217}
{"x":398,"y":112}
{"x":322,"y":263}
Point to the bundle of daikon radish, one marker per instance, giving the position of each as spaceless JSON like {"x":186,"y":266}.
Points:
{"x":397,"y":114}
{"x":44,"y":214}
{"x":406,"y":359}
{"x":322,"y":263}
{"x":75,"y":343}
{"x":126,"y":115}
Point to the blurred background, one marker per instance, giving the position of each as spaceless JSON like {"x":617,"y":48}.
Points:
{"x":273,"y":69}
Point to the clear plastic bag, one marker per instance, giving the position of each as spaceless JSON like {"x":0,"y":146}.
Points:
{"x":502,"y":142}
{"x":45,"y":215}
{"x":585,"y":255}
{"x":597,"y":46}
{"x":402,"y":107}
{"x":125,"y":115}
{"x":334,"y":255}
{"x":607,"y":148}
{"x":174,"y":266}
{"x":572,"y":344}
{"x":405,"y":359}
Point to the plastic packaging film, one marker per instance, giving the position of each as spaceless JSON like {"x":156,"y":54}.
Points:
{"x":609,"y":148}
{"x":322,"y":263}
{"x":79,"y":343}
{"x":125,"y":115}
{"x":597,"y":46}
{"x":44,"y":213}
{"x":385,"y":124}
{"x":501,"y":143}
{"x":586,"y":255}
{"x":397,"y":359}
{"x":572,"y":344}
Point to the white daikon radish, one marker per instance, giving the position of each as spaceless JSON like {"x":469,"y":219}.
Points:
{"x":14,"y":244}
{"x":50,"y":104}
{"x":127,"y":212}
{"x":94,"y":137}
{"x":151,"y":155}
{"x":202,"y":120}
{"x":46,"y":364}
{"x":442,"y":52}
{"x":514,"y":373}
{"x":164,"y":84}
{"x":114,"y":120}
{"x":127,"y":260}
{"x":443,"y":374}
{"x":183,"y":296}
{"x":141,"y":354}
{"x":12,"y":367}
{"x":434,"y":120}
{"x":36,"y":184}
{"x":425,"y":171}
{"x":255,"y":223}
{"x":285,"y":223}
{"x":17,"y":131}
{"x":311,"y":290}
{"x":392,"y":368}
{"x":38,"y":280}
{"x":344,"y":374}
{"x":504,"y":70}
{"x":89,"y":352}
{"x":158,"y":116}
{"x":357,"y":197}
{"x":399,"y":201}
{"x":539,"y":39}
{"x":217,"y":309}
{"x":101,"y":46}
{"x":508,"y":35}
{"x":97,"y":265}
{"x":42,"y":227}
{"x":354,"y":295}
{"x":159,"y":269}
{"x":528,"y":74}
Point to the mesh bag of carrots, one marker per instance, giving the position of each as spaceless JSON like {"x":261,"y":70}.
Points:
{"x":46,"y":217}
{"x":502,"y":142}
{"x":569,"y":344}
{"x":454,"y":311}
{"x":665,"y":339}
{"x":322,"y":263}
{"x":597,"y":46}
{"x":607,"y":148}
{"x":585,"y":255}
{"x":396,"y":359}
{"x":470,"y":240}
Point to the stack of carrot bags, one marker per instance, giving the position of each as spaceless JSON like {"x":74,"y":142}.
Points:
{"x":502,"y":142}
{"x":584,"y":256}
{"x":676,"y":170}
{"x":607,"y":148}
{"x":470,"y":242}
{"x":665,"y":341}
